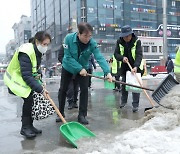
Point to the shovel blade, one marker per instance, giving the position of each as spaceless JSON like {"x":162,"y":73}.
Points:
{"x":148,"y":108}
{"x":165,"y":86}
{"x":73,"y":131}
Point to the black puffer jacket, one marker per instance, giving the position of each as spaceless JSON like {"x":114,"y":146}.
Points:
{"x":26,"y":70}
{"x":128,"y":54}
{"x":61,"y":54}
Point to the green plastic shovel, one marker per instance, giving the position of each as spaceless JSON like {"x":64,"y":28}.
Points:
{"x":72,"y":131}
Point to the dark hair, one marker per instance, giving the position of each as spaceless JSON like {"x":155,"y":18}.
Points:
{"x":41,"y":36}
{"x":84,"y":27}
{"x":31,"y":40}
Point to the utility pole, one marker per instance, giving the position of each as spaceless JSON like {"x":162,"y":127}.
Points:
{"x":164,"y":5}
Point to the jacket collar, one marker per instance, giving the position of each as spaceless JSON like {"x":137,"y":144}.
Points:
{"x":75,"y":38}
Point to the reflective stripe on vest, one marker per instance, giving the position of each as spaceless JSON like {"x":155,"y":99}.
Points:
{"x":177,"y":62}
{"x":13,"y":78}
{"x":133,"y":52}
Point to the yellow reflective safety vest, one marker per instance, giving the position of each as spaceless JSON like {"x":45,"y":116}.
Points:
{"x":177,"y":62}
{"x":114,"y":65}
{"x":133,"y":52}
{"x":13,"y":78}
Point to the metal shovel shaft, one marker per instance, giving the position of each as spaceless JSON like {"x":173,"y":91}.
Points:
{"x":124,"y":83}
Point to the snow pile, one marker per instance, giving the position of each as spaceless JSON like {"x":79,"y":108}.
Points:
{"x":158,"y":76}
{"x":160,"y":132}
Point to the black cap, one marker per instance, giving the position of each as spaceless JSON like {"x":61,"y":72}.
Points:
{"x":125,"y":31}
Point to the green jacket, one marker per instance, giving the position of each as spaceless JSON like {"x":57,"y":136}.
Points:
{"x":73,"y":64}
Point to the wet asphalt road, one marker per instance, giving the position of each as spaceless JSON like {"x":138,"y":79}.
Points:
{"x":105,"y":117}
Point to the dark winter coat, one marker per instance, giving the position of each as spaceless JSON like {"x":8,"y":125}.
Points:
{"x":26,"y":70}
{"x":169,"y":65}
{"x":91,"y":62}
{"x":128,"y":54}
{"x":61,"y":54}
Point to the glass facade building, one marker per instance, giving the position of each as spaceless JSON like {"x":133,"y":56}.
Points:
{"x":60,"y":17}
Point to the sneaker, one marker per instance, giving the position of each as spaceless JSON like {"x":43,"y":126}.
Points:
{"x":75,"y":105}
{"x":115,"y":89}
{"x":82,"y":120}
{"x":70,"y":106}
{"x":90,"y":88}
{"x":135,"y":109}
{"x":120,"y":89}
{"x":122,"y":105}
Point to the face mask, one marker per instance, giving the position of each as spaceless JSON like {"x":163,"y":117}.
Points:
{"x":42,"y":49}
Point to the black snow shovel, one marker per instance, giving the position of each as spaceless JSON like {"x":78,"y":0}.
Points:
{"x":72,"y":131}
{"x":164,"y":87}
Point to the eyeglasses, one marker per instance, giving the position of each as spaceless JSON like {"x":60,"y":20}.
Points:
{"x":86,"y":36}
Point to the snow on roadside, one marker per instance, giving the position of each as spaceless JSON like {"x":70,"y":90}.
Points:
{"x":160,"y":132}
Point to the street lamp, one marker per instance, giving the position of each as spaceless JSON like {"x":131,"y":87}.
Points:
{"x":164,"y":5}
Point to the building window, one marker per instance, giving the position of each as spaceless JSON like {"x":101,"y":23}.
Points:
{"x":146,"y":48}
{"x":173,"y":3}
{"x":154,"y":49}
{"x":160,"y":49}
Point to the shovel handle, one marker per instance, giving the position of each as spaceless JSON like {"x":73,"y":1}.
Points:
{"x":56,"y":109}
{"x":150,"y":100}
{"x":120,"y":82}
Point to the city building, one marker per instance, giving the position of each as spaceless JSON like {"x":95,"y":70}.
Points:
{"x":22,"y":30}
{"x":60,"y":17}
{"x":22,"y":33}
{"x":2,"y":58}
{"x":10,"y":49}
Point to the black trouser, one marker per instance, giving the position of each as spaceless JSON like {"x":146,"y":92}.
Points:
{"x":117,"y":76}
{"x":117,"y":84}
{"x":90,"y":72}
{"x":27,"y":106}
{"x":66,"y":77}
{"x":124,"y":97}
{"x":72,"y":91}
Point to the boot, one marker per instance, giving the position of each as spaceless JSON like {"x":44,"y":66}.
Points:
{"x":70,"y":105}
{"x":75,"y":105}
{"x":82,"y":120}
{"x":58,"y":118}
{"x":35,"y":130}
{"x":135,"y":109}
{"x":26,"y":128}
{"x":122,"y":105}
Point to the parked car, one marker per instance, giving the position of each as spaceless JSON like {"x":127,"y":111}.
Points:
{"x":158,"y":70}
